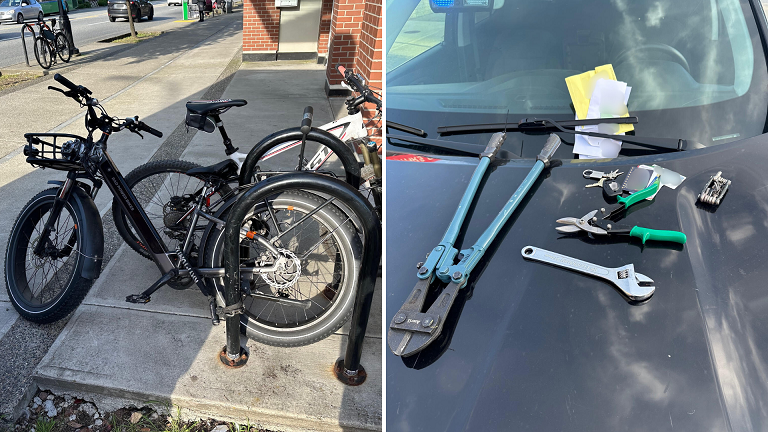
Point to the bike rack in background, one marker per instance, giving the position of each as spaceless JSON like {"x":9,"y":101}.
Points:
{"x":348,"y":368}
{"x":24,"y":42}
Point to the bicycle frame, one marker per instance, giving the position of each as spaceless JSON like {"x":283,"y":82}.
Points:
{"x":347,"y":128}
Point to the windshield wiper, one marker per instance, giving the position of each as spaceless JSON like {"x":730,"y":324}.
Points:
{"x":406,"y":129}
{"x":446,"y":147}
{"x":545,"y":124}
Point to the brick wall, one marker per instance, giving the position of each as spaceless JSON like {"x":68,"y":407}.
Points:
{"x":369,"y":63}
{"x":326,"y":14}
{"x":356,"y":43}
{"x":261,"y":29}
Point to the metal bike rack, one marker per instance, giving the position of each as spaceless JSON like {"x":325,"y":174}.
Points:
{"x":24,"y":42}
{"x":348,"y":368}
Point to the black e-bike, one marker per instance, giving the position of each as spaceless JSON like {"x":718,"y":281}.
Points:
{"x":299,"y":254}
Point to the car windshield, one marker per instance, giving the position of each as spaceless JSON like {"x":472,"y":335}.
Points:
{"x":696,"y":67}
{"x":10,"y":3}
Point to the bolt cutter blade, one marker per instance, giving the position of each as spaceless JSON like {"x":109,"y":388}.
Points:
{"x":412,"y":331}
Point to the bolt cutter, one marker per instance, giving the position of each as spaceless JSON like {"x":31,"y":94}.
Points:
{"x":411,"y":330}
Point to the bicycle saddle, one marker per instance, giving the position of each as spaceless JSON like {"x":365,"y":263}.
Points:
{"x":223,"y":169}
{"x":206,"y":106}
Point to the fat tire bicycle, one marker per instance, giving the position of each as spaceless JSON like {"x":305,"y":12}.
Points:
{"x":299,"y":251}
{"x":241,"y":171}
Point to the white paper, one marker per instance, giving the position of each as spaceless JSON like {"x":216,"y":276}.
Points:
{"x":609,"y":100}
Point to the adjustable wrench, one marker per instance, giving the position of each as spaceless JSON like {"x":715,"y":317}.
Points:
{"x":635,"y":286}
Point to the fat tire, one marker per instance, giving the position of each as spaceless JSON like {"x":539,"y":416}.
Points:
{"x":328,"y":323}
{"x":132,"y":179}
{"x":76,"y":290}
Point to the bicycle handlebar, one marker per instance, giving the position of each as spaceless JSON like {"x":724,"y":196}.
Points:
{"x":366,"y":95}
{"x":80,"y":90}
{"x":149,"y":129}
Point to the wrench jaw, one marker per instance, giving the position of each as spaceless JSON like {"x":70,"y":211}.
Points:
{"x":637,"y":287}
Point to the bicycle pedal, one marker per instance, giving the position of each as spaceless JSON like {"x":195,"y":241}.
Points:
{"x":137,"y":298}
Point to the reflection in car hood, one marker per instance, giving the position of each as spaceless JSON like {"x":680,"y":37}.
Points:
{"x":533,"y":347}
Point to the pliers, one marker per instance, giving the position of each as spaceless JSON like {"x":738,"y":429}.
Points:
{"x":589,"y":223}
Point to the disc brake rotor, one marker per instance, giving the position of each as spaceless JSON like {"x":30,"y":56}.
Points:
{"x":287,"y":272}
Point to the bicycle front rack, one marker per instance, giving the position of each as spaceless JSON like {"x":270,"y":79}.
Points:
{"x":348,"y":368}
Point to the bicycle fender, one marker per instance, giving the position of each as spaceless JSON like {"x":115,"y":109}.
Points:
{"x":341,"y":149}
{"x":93,"y":237}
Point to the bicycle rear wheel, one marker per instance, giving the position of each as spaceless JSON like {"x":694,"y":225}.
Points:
{"x":322,"y":253}
{"x":62,"y":47}
{"x":43,"y":53}
{"x":165,"y":192}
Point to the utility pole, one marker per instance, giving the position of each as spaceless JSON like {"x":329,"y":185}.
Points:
{"x":67,"y":27}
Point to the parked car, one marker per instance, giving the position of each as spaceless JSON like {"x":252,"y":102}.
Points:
{"x":20,"y":10}
{"x":139,"y":8}
{"x":52,"y":6}
{"x":533,"y":347}
{"x":174,"y":2}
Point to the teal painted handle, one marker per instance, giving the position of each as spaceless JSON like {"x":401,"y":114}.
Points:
{"x":659,"y":235}
{"x":640,"y":195}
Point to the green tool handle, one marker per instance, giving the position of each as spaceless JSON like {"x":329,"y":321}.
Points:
{"x":659,"y":235}
{"x":640,"y":195}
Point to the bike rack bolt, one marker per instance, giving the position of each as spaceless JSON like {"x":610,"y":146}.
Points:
{"x":444,"y":270}
{"x":423,"y":270}
{"x":418,"y":265}
{"x":399,"y":318}
{"x":457,"y":274}
{"x":427,"y":322}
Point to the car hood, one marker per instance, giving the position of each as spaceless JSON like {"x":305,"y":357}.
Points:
{"x":9,"y":8}
{"x":533,"y":347}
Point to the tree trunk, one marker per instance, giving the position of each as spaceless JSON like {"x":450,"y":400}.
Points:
{"x":130,"y":18}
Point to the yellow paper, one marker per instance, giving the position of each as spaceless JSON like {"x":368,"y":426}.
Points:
{"x":581,"y":87}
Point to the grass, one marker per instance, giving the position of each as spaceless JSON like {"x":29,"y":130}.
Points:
{"x":44,"y":425}
{"x":140,"y":36}
{"x":7,"y":81}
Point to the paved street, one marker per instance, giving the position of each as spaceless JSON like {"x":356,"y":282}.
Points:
{"x":88,"y":25}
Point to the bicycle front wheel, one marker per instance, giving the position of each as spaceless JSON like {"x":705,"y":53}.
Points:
{"x":43,"y":53}
{"x":280,"y":153}
{"x":62,"y":47}
{"x":47,"y":286}
{"x":312,"y":293}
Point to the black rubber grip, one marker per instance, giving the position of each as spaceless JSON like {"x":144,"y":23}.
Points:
{"x":306,"y":120}
{"x":143,"y":126}
{"x":65,"y":82}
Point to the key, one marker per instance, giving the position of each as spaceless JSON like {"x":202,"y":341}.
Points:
{"x":598,"y":184}
{"x":590,"y":174}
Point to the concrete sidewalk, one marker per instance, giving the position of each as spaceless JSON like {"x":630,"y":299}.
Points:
{"x":118,"y":353}
{"x":152,"y":80}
